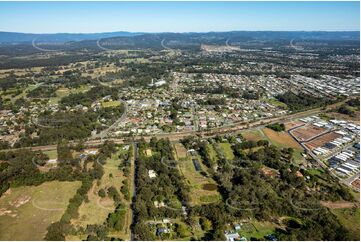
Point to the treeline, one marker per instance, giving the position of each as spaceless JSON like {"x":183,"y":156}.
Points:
{"x":350,"y":107}
{"x":302,"y":101}
{"x":278,"y":127}
{"x":87,"y":98}
{"x":42,"y":92}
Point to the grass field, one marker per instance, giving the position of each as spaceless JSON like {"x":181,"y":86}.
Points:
{"x":63,"y":92}
{"x":227,"y":150}
{"x":196,"y":181}
{"x":284,"y":140}
{"x":31,"y":209}
{"x":108,"y":104}
{"x":53,"y":154}
{"x":257,"y":229}
{"x":279,"y":139}
{"x":254,"y":135}
{"x":350,"y":218}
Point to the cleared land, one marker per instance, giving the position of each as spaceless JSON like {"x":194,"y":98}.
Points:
{"x":180,"y":150}
{"x":110,"y":104}
{"x":53,"y":154}
{"x":322,"y":140}
{"x":257,"y":229}
{"x":31,"y":209}
{"x":307,"y":132}
{"x":281,"y":139}
{"x":290,"y":125}
{"x":63,"y":92}
{"x":356,"y":183}
{"x":254,"y":135}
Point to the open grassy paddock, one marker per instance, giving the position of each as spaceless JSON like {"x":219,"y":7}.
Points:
{"x":31,"y":209}
{"x":227,"y":150}
{"x":350,"y":218}
{"x":196,"y":181}
{"x":53,"y":154}
{"x":108,"y":104}
{"x":97,"y":209}
{"x":279,"y":139}
{"x":63,"y":92}
{"x":254,"y":135}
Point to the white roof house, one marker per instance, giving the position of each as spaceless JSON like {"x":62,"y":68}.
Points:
{"x":152,"y":174}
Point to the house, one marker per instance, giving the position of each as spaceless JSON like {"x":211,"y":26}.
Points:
{"x":52,"y":161}
{"x":232,"y":237}
{"x":162,"y":230}
{"x":152,"y":174}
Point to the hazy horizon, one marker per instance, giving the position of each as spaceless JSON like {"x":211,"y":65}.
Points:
{"x":179,"y":17}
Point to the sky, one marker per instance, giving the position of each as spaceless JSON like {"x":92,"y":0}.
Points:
{"x":92,"y":17}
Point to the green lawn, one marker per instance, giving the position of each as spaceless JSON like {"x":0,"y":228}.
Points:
{"x":257,"y":229}
{"x":227,"y":150}
{"x":276,"y":103}
{"x":110,"y":104}
{"x":33,"y":208}
{"x":53,"y":154}
{"x":315,"y":172}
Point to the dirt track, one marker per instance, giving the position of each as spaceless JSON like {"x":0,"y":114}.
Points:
{"x":340,"y":204}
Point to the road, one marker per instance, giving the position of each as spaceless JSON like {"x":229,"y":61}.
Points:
{"x":134,"y":193}
{"x":104,"y":133}
{"x":350,"y":179}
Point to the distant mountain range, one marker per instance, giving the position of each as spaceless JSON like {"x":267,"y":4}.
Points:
{"x":13,"y":37}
